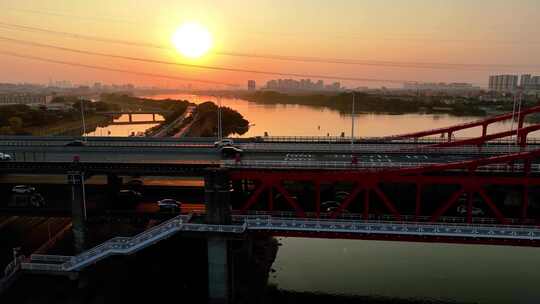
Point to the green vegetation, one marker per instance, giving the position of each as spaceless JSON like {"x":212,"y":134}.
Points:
{"x":388,"y":104}
{"x":23,"y":120}
{"x":205,"y":124}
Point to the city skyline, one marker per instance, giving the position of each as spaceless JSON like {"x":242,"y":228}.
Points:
{"x":455,"y":42}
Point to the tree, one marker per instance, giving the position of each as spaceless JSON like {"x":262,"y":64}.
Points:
{"x":15,"y":122}
{"x":6,"y":130}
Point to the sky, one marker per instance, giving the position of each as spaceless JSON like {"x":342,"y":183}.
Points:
{"x":451,"y":40}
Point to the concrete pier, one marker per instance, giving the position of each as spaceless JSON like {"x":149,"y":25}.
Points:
{"x":218,"y":211}
{"x":78,"y":209}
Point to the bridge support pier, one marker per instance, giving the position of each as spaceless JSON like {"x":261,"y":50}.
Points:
{"x":218,"y":211}
{"x":78,"y":209}
{"x":113,"y":186}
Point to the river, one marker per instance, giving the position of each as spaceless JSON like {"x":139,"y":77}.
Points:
{"x":121,"y":126}
{"x":299,"y":120}
{"x":461,"y":273}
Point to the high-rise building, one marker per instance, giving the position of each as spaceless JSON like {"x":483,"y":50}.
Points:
{"x":503,"y":83}
{"x":304,"y":85}
{"x":525,"y":80}
{"x":251,"y":85}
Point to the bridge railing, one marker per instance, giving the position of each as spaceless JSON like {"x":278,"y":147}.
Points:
{"x":299,"y":221}
{"x":376,"y":165}
{"x":254,"y":214}
{"x":117,"y":245}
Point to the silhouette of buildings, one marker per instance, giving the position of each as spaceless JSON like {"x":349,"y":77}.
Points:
{"x":301,"y":85}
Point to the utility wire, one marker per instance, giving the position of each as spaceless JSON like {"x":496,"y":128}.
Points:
{"x":392,"y":64}
{"x":103,"y":68}
{"x":218,"y":68}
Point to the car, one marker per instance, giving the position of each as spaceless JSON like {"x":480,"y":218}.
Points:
{"x":462,"y":209}
{"x":169,"y":204}
{"x":330,"y":204}
{"x":23,"y":189}
{"x":135,"y":183}
{"x":229,"y":151}
{"x":129,"y":194}
{"x":76,"y":143}
{"x":334,"y":209}
{"x":224,"y":142}
{"x":341,"y":195}
{"x":37,"y":200}
{"x":5,"y":156}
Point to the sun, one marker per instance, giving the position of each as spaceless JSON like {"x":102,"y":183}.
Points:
{"x":192,"y":40}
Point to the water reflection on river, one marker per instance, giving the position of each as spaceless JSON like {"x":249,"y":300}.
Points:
{"x":126,"y":129}
{"x":296,"y":120}
{"x":481,"y":274}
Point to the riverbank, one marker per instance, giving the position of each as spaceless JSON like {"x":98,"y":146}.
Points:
{"x":71,"y":127}
{"x":342,"y":102}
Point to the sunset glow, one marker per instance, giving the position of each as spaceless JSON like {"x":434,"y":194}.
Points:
{"x":192,"y":40}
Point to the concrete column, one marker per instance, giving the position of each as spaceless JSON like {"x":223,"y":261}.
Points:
{"x":218,"y":211}
{"x":130,"y":117}
{"x":113,"y":187}
{"x":78,"y":209}
{"x":218,"y":271}
{"x":217,"y":196}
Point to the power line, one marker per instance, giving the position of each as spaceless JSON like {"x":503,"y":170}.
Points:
{"x":217,"y":68}
{"x":96,"y":67}
{"x":392,"y":64}
{"x":294,"y":34}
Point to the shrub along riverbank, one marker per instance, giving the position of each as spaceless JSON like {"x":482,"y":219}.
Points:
{"x":388,"y":104}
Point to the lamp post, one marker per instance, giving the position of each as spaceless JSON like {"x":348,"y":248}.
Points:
{"x":352,"y":120}
{"x":83,"y":121}
{"x":220,"y":120}
{"x":15,"y":254}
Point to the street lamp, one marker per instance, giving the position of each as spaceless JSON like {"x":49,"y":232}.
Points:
{"x":352,"y":119}
{"x":82,"y":114}
{"x":15,"y":254}
{"x":220,"y":127}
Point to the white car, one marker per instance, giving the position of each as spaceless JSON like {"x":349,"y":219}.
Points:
{"x":462,"y":209}
{"x":169,"y":204}
{"x":23,"y":189}
{"x":5,"y":156}
{"x":224,"y":142}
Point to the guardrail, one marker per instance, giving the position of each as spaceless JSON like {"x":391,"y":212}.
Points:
{"x":125,"y":245}
{"x":342,"y":165}
{"x":265,"y":222}
{"x":396,"y":228}
{"x":118,"y":245}
{"x":239,"y":215}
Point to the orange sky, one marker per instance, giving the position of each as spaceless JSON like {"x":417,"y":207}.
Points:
{"x":441,"y":31}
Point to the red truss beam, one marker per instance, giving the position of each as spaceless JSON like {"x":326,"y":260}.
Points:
{"x":369,"y":180}
{"x":269,"y":185}
{"x":345,"y":204}
{"x":478,"y":141}
{"x":483,"y":122}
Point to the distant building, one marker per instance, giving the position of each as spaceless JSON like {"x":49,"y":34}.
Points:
{"x":301,"y":85}
{"x":251,"y":85}
{"x":525,"y":80}
{"x":25,"y":99}
{"x":455,"y":87}
{"x":503,"y":83}
{"x":336,"y":86}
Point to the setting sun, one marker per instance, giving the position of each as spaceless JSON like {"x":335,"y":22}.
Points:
{"x":192,"y":40}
